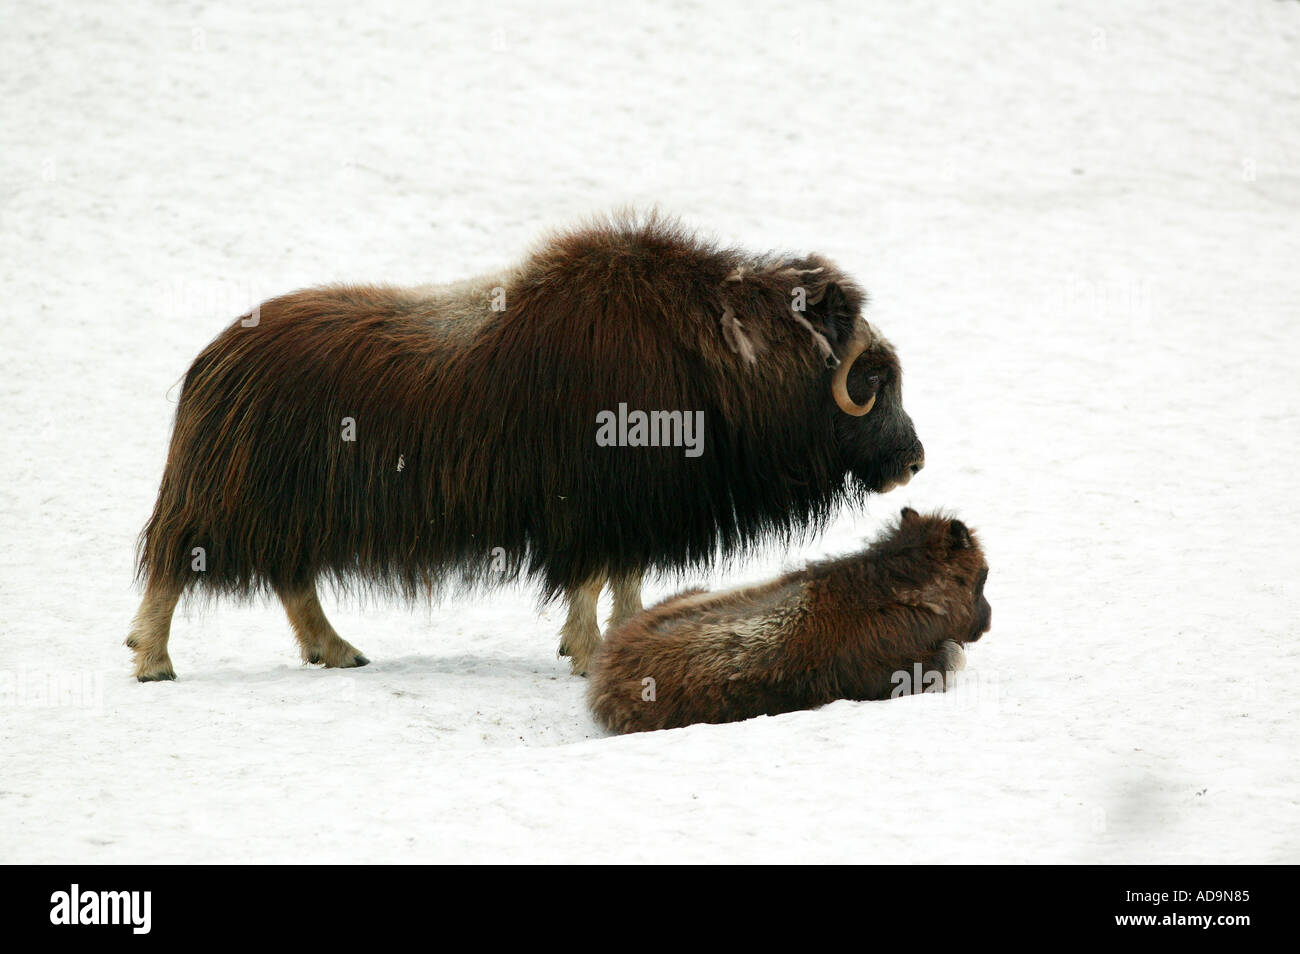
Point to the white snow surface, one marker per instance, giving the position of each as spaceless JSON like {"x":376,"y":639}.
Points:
{"x":1078,"y":224}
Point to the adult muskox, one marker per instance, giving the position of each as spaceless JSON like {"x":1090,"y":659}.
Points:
{"x":628,"y":398}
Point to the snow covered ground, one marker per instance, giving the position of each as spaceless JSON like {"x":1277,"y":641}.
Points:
{"x":1080,"y":224}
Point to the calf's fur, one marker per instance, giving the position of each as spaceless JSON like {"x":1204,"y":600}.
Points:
{"x":838,"y":629}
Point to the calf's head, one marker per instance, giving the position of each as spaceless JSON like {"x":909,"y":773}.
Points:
{"x":948,"y":544}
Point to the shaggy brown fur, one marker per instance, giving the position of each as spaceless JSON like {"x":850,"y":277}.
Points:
{"x":474,"y":410}
{"x":839,"y":629}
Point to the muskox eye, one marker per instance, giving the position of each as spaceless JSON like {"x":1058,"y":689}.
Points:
{"x":869,"y":388}
{"x":840,"y":382}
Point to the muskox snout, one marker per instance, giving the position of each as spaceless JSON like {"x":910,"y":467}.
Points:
{"x":914,"y":461}
{"x":983,"y":621}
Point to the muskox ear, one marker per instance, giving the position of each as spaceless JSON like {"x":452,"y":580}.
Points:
{"x":910,"y":514}
{"x":960,"y":536}
{"x":838,"y":315}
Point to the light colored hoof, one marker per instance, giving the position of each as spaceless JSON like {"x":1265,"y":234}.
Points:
{"x":950,"y":660}
{"x":951,"y":656}
{"x":339,"y":655}
{"x":581,"y":650}
{"x":158,"y":670}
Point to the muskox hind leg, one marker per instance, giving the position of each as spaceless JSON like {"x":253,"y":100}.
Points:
{"x":319,"y":641}
{"x":150,"y":631}
{"x":627,"y":597}
{"x":580,"y":634}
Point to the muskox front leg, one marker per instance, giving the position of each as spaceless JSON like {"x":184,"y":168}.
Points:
{"x":319,"y":642}
{"x":947,"y":660}
{"x":150,"y":631}
{"x":580,"y":634}
{"x":627,"y":597}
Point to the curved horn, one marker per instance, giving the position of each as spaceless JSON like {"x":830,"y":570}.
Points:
{"x":840,"y":382}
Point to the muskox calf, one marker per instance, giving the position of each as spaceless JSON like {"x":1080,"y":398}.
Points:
{"x":628,"y":398}
{"x":855,"y":627}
